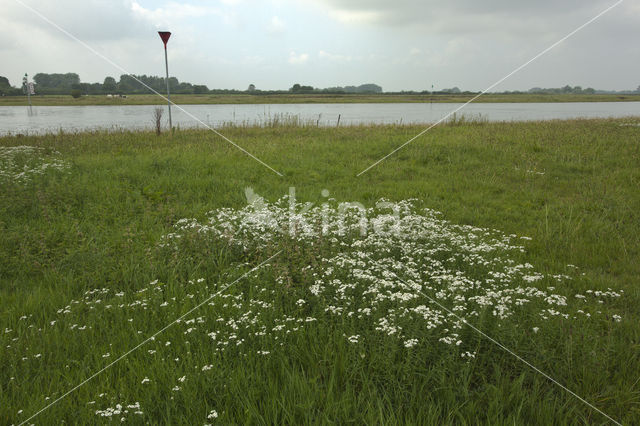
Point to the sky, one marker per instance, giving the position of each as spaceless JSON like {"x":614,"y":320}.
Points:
{"x":397,"y":44}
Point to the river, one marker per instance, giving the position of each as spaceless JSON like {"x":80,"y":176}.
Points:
{"x":44,"y":119}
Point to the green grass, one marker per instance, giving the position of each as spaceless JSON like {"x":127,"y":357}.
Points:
{"x":572,"y":186}
{"x":61,"y":100}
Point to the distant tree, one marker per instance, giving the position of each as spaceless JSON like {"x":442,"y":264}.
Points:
{"x":76,"y":93}
{"x":127,"y":84}
{"x":369,"y":88}
{"x":252,"y":88}
{"x":55,"y":83}
{"x":82,"y":87}
{"x":173,"y":83}
{"x":297,"y":88}
{"x":5,"y":87}
{"x":589,"y":91}
{"x":94,"y":88}
{"x":200,"y":89}
{"x":109,"y":85}
{"x":185,"y":88}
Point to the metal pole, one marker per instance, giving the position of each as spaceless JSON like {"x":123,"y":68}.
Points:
{"x":26,"y":85}
{"x":166,"y":62}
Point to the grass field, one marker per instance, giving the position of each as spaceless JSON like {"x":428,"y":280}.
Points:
{"x":109,"y":237}
{"x":55,"y":100}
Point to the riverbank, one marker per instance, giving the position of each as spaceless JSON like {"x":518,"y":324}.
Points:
{"x":103,"y":245}
{"x":54,"y":100}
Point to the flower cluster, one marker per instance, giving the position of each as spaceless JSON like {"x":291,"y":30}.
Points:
{"x":404,"y":271}
{"x":120,"y":411}
{"x":22,"y":163}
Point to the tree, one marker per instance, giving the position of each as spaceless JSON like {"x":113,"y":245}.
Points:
{"x":127,"y":84}
{"x":184,"y":88}
{"x":5,"y":87}
{"x":82,"y":87}
{"x":56,"y":83}
{"x":297,"y":88}
{"x":173,"y":83}
{"x":369,"y":88}
{"x":94,"y":89}
{"x":454,"y":90}
{"x":109,"y":85}
{"x":199,"y":89}
{"x":252,"y":88}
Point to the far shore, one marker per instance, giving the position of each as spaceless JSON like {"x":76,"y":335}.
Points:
{"x":67,"y":100}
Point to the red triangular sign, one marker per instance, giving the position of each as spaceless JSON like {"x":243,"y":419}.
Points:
{"x":164,"y":35}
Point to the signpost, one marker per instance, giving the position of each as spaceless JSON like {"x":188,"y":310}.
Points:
{"x":164,"y":35}
{"x":27,"y":87}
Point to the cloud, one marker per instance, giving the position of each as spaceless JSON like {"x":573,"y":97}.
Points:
{"x":298,"y":59}
{"x":89,"y":20}
{"x":276,"y":26}
{"x":466,"y":16}
{"x":171,"y":12}
{"x":351,"y":16}
{"x":333,"y":57}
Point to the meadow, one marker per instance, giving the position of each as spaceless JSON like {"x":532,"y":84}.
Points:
{"x":321,"y":296}
{"x":151,"y":99}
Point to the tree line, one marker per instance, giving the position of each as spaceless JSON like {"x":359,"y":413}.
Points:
{"x":369,"y":88}
{"x":70,"y":84}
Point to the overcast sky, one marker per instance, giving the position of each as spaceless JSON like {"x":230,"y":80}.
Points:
{"x":398,"y":44}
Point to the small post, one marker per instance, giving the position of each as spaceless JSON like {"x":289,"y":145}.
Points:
{"x":27,"y":88}
{"x":164,"y":35}
{"x":338,"y":123}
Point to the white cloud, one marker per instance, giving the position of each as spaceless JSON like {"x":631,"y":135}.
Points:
{"x":351,"y":16}
{"x":170,"y":13}
{"x":298,"y":59}
{"x":333,"y":57}
{"x":276,"y":26}
{"x":89,"y":20}
{"x":470,"y":16}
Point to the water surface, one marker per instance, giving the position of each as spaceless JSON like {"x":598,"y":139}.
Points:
{"x":16,"y":119}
